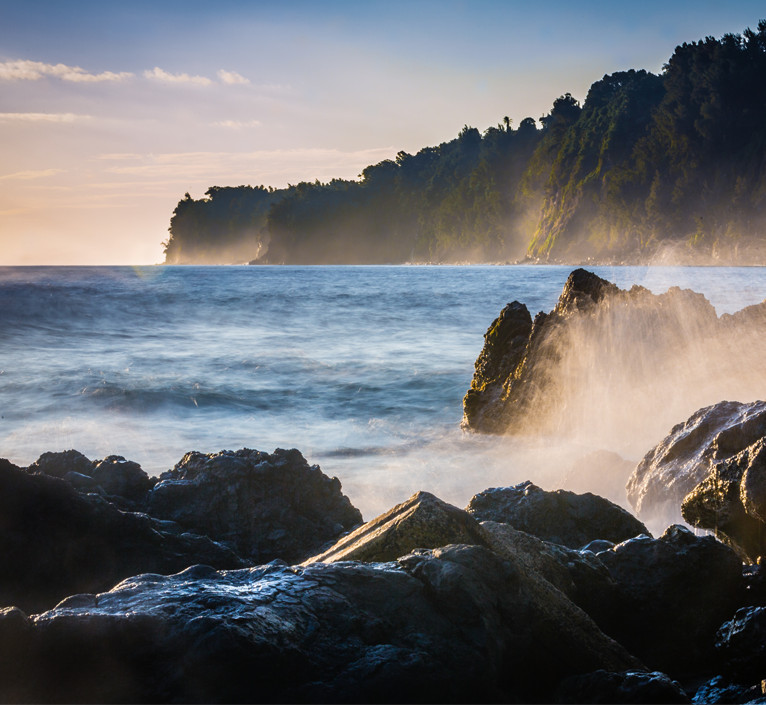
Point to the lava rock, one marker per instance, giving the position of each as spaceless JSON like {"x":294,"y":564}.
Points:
{"x":560,"y":517}
{"x":423,"y":521}
{"x":689,"y":453}
{"x":455,"y":624}
{"x":626,"y":687}
{"x":55,"y":542}
{"x":59,"y":464}
{"x":676,"y":592}
{"x":266,"y":506}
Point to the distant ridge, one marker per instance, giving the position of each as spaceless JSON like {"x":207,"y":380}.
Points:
{"x":665,"y":169}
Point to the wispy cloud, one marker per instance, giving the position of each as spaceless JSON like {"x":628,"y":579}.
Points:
{"x":236,"y":124}
{"x":42,"y":117}
{"x":24,"y":70}
{"x":30,"y":174}
{"x":232,"y":78}
{"x":158,"y":74}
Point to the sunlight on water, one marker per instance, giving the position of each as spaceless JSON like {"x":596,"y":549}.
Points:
{"x":363,"y":369}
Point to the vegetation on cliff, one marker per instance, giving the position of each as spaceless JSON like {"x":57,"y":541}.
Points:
{"x":648,"y":167}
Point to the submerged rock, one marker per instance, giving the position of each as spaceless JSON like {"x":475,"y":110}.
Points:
{"x":689,"y":453}
{"x":456,"y":624}
{"x":561,"y":517}
{"x":611,"y":366}
{"x":265,"y":506}
{"x":423,"y":521}
{"x":55,"y":541}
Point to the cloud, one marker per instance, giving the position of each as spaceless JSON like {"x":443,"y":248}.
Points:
{"x":158,"y":74}
{"x":232,"y":78}
{"x":42,"y":117}
{"x":23,"y":70}
{"x":31,"y":174}
{"x":236,"y":124}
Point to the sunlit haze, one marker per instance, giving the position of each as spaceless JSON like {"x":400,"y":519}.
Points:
{"x":110,"y":112}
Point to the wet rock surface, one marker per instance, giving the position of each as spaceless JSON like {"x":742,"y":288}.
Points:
{"x":690,"y":452}
{"x":265,"y":506}
{"x":561,"y":517}
{"x":475,"y":629}
{"x":55,"y":541}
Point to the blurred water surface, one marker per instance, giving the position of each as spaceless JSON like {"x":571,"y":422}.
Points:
{"x":361,"y":368}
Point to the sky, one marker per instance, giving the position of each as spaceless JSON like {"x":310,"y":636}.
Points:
{"x":111,"y":112}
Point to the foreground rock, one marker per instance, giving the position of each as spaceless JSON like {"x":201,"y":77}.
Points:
{"x":676,"y":591}
{"x":626,"y":687}
{"x":561,"y":517}
{"x":265,"y":506}
{"x":55,"y":542}
{"x":600,"y":366}
{"x":456,"y":624}
{"x":423,"y":521}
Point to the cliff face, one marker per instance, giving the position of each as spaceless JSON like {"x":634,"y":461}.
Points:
{"x":611,"y":367}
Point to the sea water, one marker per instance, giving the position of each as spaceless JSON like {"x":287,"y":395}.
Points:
{"x":363,"y":369}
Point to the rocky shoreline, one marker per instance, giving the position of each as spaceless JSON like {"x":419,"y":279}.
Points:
{"x":245,"y":576}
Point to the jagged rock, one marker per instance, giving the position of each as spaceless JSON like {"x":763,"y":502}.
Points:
{"x":456,"y":624}
{"x":505,"y":343}
{"x":604,"y":472}
{"x":626,"y":687}
{"x":676,"y":592}
{"x":561,"y":517}
{"x":612,"y":368}
{"x":423,"y":521}
{"x":123,"y":481}
{"x":59,"y":464}
{"x":265,"y":506}
{"x":689,"y":453}
{"x":741,"y":643}
{"x":55,"y":542}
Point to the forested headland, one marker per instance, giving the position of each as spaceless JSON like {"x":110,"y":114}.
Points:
{"x":649,"y":168}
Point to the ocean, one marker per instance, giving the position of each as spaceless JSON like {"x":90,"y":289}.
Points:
{"x":363,"y":369}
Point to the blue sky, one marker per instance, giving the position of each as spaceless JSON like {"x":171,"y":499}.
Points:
{"x":109,"y":112}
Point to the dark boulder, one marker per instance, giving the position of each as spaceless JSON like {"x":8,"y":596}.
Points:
{"x":423,"y":521}
{"x":122,"y":481}
{"x":676,"y":592}
{"x":625,"y":687}
{"x":561,"y":517}
{"x":122,"y":478}
{"x":456,"y":624}
{"x":689,"y":454}
{"x":741,"y":644}
{"x":265,"y":506}
{"x":55,"y":542}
